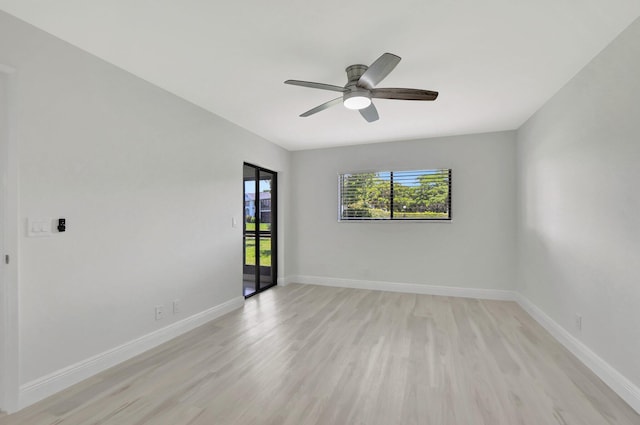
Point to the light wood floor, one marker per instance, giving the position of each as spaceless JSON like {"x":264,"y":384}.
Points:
{"x":316,"y":355}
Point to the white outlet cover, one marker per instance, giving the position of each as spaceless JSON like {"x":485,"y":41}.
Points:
{"x":578,"y":319}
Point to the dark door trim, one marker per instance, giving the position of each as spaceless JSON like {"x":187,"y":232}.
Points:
{"x":257,"y":233}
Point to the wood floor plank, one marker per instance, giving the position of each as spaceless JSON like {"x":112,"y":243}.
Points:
{"x":315,"y":355}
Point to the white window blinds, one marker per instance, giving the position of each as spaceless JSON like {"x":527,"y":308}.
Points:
{"x":395,"y":195}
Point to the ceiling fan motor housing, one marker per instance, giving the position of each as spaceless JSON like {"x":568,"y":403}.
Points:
{"x":356,"y":97}
{"x":354,"y":72}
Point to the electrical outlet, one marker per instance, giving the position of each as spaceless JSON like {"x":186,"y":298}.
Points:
{"x":159,"y":312}
{"x":578,"y":322}
{"x":176,"y":306}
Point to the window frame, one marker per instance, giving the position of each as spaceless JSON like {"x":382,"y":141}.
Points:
{"x":342,"y":219}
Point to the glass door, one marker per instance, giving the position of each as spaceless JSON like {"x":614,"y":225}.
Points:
{"x":259,"y":229}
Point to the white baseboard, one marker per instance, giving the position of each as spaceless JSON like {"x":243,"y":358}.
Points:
{"x":626,"y":389}
{"x":283,"y":281}
{"x":43,"y":387}
{"x":409,"y":288}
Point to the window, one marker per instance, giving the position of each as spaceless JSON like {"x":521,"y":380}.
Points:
{"x":395,"y":195}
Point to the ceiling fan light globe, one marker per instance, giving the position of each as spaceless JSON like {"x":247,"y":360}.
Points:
{"x":357,"y":102}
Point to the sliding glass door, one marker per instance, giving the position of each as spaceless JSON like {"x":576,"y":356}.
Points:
{"x":259,"y":229}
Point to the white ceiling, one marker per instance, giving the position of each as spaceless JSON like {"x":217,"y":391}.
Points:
{"x":494,"y":62}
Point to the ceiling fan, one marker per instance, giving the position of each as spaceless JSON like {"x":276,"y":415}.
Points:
{"x":360,"y":88}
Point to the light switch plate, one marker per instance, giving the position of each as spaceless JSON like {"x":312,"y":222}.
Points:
{"x":39,"y":227}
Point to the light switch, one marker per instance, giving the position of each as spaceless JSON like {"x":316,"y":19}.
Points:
{"x":38,"y":227}
{"x":234,"y":222}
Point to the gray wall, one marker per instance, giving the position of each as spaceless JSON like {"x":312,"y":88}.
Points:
{"x":475,"y":250}
{"x":579,"y":205}
{"x":148,"y":184}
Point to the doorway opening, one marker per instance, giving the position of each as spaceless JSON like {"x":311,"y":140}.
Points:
{"x":259,"y":229}
{"x":9,"y":381}
{"x":3,"y":290}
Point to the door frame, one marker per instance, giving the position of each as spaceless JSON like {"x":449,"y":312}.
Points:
{"x":274,"y":228}
{"x":9,"y":223}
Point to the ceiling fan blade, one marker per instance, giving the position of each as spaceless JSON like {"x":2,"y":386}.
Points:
{"x":378,"y":70}
{"x":404,"y":94}
{"x":320,"y":86}
{"x":370,"y":113}
{"x":322,"y":107}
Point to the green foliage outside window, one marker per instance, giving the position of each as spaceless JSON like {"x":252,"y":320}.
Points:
{"x":423,"y":194}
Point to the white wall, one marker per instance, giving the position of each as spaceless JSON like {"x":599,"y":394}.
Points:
{"x":475,"y":250}
{"x":148,"y":184}
{"x":579,"y":205}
